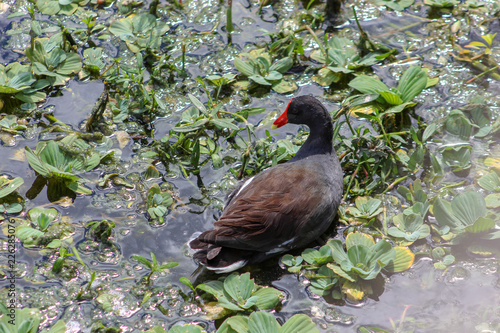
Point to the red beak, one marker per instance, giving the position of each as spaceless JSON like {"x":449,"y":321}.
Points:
{"x":283,"y":119}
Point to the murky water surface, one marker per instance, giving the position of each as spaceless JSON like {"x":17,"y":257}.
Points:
{"x":462,"y":298}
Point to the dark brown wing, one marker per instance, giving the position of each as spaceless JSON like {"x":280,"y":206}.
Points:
{"x":271,"y":210}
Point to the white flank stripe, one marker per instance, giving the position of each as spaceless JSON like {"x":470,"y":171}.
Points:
{"x":230,"y":268}
{"x":248,"y":181}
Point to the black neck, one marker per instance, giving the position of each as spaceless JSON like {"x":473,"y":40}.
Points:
{"x":319,"y":141}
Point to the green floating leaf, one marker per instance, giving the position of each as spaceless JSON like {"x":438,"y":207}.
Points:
{"x":391,"y":97}
{"x":482,"y":224}
{"x":404,"y":260}
{"x":239,"y":287}
{"x":359,"y":238}
{"x":189,"y":328}
{"x":263,"y":322}
{"x":267,"y":298}
{"x":490,"y":182}
{"x":429,"y":132}
{"x":368,"y":85}
{"x":11,"y":186}
{"x":493,"y":200}
{"x":282,"y":65}
{"x":244,"y":67}
{"x":299,"y":323}
{"x":284,"y":87}
{"x":412,"y":83}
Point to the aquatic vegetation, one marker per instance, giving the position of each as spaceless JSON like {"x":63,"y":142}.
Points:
{"x":27,"y":320}
{"x":10,"y":203}
{"x":349,"y":271}
{"x":442,"y":257}
{"x":158,"y":202}
{"x":409,"y":227}
{"x":65,"y":7}
{"x":58,"y":264}
{"x":341,"y":57}
{"x":260,"y":322}
{"x":239,"y":293}
{"x":441,"y":3}
{"x":53,"y":63}
{"x":101,"y":230}
{"x":58,"y":163}
{"x":176,"y":69}
{"x":456,"y":156}
{"x":186,"y":328}
{"x":263,"y":71}
{"x":46,"y":229}
{"x":364,"y":211}
{"x":17,"y":81}
{"x":467,"y":212}
{"x":480,"y":56}
{"x":394,"y":100}
{"x":140,"y":32}
{"x":153,"y":265}
{"x":194,"y":141}
{"x":397,"y":5}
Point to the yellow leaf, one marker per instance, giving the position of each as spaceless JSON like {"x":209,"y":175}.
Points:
{"x":369,"y":109}
{"x":492,"y":162}
{"x":404,"y":259}
{"x":353,"y":291}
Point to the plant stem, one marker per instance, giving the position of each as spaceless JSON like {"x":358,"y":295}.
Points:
{"x":350,"y":181}
{"x":236,"y":115}
{"x":394,"y":183}
{"x":349,"y":123}
{"x":316,"y":39}
{"x":485,"y":70}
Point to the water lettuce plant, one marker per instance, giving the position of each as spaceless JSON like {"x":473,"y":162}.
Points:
{"x":9,"y":202}
{"x":44,"y":229}
{"x":52,"y":62}
{"x":441,"y":3}
{"x":239,"y":293}
{"x":264,"y":322}
{"x":347,"y":272}
{"x":339,"y":57}
{"x":17,"y":82}
{"x":397,"y":5}
{"x":153,"y":266}
{"x":140,"y":32}
{"x":65,"y":7}
{"x":261,"y":70}
{"x":456,"y":156}
{"x":158,"y":202}
{"x":58,"y":163}
{"x":409,"y":227}
{"x":466,"y":213}
{"x":364,"y":211}
{"x":27,"y":320}
{"x":394,"y":100}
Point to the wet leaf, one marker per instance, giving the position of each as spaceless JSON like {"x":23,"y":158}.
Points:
{"x":244,"y":67}
{"x":403,"y":260}
{"x":490,"y":182}
{"x":412,"y":83}
{"x":368,"y":85}
{"x":493,"y":200}
{"x":263,"y":322}
{"x":239,"y":287}
{"x":299,"y":323}
{"x":284,"y":87}
{"x":10,"y":186}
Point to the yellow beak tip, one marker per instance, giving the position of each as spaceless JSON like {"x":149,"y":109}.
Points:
{"x":274,"y":127}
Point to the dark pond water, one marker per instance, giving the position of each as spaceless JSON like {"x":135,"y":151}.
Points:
{"x":464,"y":297}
